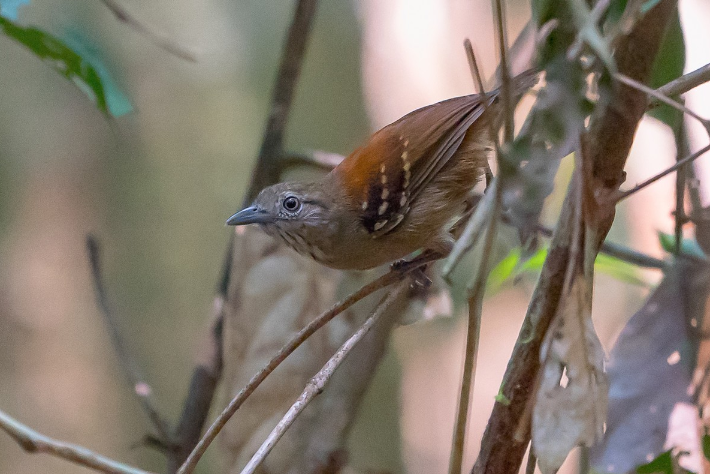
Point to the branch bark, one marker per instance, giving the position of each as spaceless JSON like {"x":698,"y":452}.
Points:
{"x":34,"y":442}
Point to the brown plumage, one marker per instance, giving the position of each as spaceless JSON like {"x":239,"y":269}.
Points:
{"x":394,"y":195}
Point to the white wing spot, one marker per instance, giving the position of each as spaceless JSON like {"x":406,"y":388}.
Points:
{"x":383,"y":179}
{"x":406,"y":142}
{"x":383,"y":208}
{"x":407,"y":166}
{"x":385,"y":193}
{"x":404,"y":155}
{"x":382,"y":169}
{"x":407,"y":175}
{"x":403,"y":199}
{"x":397,"y":219}
{"x":364,"y":205}
{"x":380,"y":224}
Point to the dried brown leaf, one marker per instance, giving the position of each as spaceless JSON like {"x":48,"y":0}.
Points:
{"x":571,"y":401}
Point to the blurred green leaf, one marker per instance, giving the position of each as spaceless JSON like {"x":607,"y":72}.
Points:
{"x":664,"y":463}
{"x":706,"y":446}
{"x":687,"y":246}
{"x":511,"y":267}
{"x":648,"y":5}
{"x":669,"y":65}
{"x":591,"y":35}
{"x":9,"y":8}
{"x":619,"y":269}
{"x":62,"y":59}
{"x":504,"y":270}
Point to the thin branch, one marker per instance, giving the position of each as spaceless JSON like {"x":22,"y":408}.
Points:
{"x":154,"y":36}
{"x":693,"y":156}
{"x":505,"y":80}
{"x":316,"y":158}
{"x":130,"y":366}
{"x":473,"y":332}
{"x":621,"y":252}
{"x":203,"y":384}
{"x":686,"y":82}
{"x":34,"y":442}
{"x":662,"y":98}
{"x":387,"y":279}
{"x":316,"y":385}
{"x":267,"y":170}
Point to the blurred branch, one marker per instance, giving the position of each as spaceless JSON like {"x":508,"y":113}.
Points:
{"x":267,"y":168}
{"x":659,"y":96}
{"x":685,"y":83}
{"x":606,"y":145}
{"x":149,"y":32}
{"x":473,"y":333}
{"x":207,"y":373}
{"x":316,"y":385}
{"x":130,"y":366}
{"x":680,"y":163}
{"x":203,"y":384}
{"x":34,"y":442}
{"x":387,"y":279}
{"x":320,"y":159}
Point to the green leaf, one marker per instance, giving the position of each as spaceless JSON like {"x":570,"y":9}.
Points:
{"x":687,"y":246}
{"x":504,"y":270}
{"x":668,"y":65}
{"x":9,"y":8}
{"x":664,"y":463}
{"x":619,"y":269}
{"x":706,"y":446}
{"x":62,"y":59}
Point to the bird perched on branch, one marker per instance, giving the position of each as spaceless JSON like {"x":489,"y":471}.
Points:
{"x":392,"y":196}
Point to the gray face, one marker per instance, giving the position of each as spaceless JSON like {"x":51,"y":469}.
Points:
{"x":295,"y":212}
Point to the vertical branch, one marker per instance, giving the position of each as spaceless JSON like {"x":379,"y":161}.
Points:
{"x":606,"y":144}
{"x":267,"y":168}
{"x":130,"y":366}
{"x":475,"y":309}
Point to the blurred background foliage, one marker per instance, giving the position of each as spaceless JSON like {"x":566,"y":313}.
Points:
{"x":156,"y":184}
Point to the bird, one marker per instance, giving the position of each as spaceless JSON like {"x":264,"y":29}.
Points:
{"x":394,"y":195}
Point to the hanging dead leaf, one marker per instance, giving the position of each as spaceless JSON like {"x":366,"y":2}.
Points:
{"x":571,"y":401}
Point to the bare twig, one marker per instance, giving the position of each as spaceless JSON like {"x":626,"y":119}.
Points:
{"x":203,"y":384}
{"x":317,"y":158}
{"x":621,"y":252}
{"x":385,"y":280}
{"x":662,"y":98}
{"x":34,"y":442}
{"x":149,"y":32}
{"x":130,"y":366}
{"x":505,"y":80}
{"x":267,"y":171}
{"x":316,"y":385}
{"x":686,"y":82}
{"x":475,"y":309}
{"x":267,"y":168}
{"x":680,"y":163}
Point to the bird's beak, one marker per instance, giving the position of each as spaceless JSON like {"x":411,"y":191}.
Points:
{"x":250,"y":215}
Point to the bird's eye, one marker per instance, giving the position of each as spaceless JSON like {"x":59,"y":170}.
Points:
{"x":291,"y":203}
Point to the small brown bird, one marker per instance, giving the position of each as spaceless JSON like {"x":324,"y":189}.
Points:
{"x":396,"y":194}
